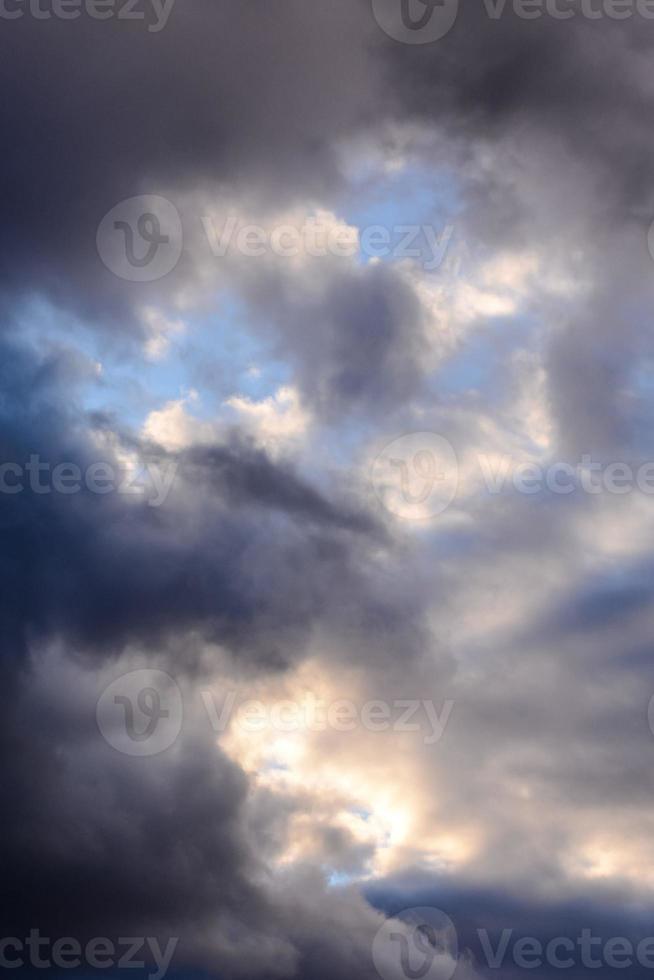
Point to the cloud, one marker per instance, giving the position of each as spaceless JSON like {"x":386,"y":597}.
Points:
{"x":269,"y":565}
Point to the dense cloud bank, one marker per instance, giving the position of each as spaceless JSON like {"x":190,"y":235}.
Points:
{"x":261,"y":558}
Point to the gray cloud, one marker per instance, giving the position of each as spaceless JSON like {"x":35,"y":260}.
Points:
{"x":533,"y":615}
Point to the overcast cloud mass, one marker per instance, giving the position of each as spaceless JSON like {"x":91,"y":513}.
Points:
{"x":327,"y":489}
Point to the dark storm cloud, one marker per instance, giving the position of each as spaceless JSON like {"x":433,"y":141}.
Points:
{"x":605,"y":602}
{"x":244,"y":476}
{"x":560,"y":77}
{"x":103,"y":570}
{"x":593,"y":364}
{"x":555,"y":108}
{"x":158,"y":846}
{"x":482,"y":915}
{"x":257,"y":96}
{"x":225,"y":94}
{"x":127,"y":846}
{"x":227,"y":97}
{"x":244,"y":554}
{"x":356,"y":337}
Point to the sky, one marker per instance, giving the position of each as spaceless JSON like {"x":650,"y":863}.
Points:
{"x":327,"y":489}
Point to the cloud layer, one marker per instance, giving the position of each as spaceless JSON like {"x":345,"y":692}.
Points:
{"x":249,"y":544}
